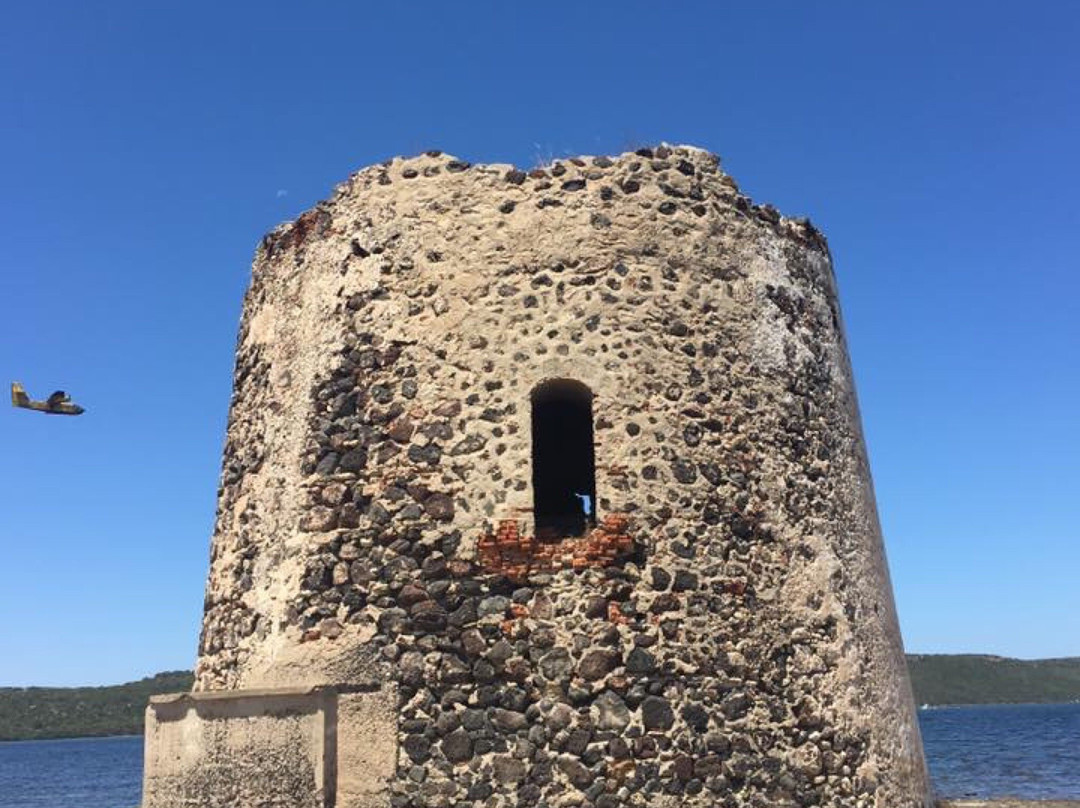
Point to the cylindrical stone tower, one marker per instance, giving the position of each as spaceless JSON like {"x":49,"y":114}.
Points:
{"x":562,"y":472}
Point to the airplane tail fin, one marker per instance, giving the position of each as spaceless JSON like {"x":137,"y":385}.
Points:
{"x":19,"y":398}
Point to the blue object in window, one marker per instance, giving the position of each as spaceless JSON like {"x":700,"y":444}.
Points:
{"x":586,"y":503}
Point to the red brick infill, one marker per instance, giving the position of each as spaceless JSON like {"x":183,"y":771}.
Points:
{"x":511,"y":553}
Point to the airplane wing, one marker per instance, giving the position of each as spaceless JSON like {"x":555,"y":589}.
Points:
{"x":59,"y":397}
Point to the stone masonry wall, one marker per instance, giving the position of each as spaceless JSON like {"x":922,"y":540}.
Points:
{"x":725,"y":637}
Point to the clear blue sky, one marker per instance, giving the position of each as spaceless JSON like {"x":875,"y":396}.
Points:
{"x":146,"y":147}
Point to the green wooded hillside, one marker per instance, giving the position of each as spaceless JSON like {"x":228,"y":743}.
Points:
{"x":46,"y":712}
{"x":980,"y":679}
{"x":28,"y":713}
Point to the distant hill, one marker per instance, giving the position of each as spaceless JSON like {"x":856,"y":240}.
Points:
{"x":981,"y":679}
{"x":28,"y":713}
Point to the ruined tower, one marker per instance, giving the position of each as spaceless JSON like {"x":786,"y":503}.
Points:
{"x":543,"y":488}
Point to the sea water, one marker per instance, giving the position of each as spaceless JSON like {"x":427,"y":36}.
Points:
{"x":77,"y":773}
{"x":1027,"y":751}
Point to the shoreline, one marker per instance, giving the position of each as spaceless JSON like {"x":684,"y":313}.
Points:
{"x":930,"y":706}
{"x":73,"y":738}
{"x":1008,"y":803}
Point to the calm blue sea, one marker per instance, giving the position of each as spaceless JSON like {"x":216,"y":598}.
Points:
{"x":77,"y":773}
{"x":1029,"y":751}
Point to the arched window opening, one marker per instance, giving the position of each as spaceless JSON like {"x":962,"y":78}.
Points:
{"x":564,"y":462}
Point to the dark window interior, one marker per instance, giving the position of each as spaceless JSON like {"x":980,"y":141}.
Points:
{"x":564,"y":464}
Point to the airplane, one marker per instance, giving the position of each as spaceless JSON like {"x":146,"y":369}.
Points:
{"x":59,"y":403}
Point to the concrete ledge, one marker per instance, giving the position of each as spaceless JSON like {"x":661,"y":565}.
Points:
{"x":232,"y":695}
{"x":272,"y":748}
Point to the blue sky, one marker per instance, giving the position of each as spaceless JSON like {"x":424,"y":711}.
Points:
{"x":146,"y":147}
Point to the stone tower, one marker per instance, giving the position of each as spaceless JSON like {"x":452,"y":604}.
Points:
{"x":543,"y":488}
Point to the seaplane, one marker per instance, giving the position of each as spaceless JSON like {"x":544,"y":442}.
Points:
{"x":59,"y":403}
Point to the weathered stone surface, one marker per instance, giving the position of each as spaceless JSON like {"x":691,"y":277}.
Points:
{"x":556,"y":664}
{"x":656,"y":713}
{"x":576,"y":772}
{"x":508,"y":720}
{"x":731,"y":640}
{"x":457,"y":746}
{"x":597,"y":663}
{"x":507,"y":769}
{"x":494,"y":606}
{"x":611,"y":712}
{"x":640,"y":662}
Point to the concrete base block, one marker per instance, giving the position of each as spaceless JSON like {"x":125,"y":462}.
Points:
{"x":317,"y":747}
